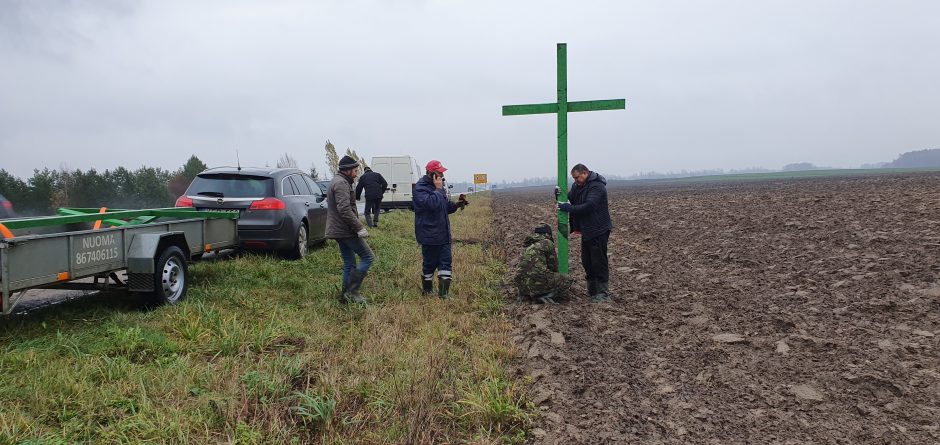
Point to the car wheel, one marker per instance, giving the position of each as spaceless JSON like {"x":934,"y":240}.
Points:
{"x":303,"y":242}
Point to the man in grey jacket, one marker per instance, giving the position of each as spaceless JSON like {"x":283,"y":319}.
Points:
{"x":342,"y":225}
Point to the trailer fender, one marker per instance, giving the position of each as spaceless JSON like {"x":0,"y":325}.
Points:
{"x":143,"y":252}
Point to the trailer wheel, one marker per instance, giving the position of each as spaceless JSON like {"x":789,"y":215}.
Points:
{"x":170,"y":278}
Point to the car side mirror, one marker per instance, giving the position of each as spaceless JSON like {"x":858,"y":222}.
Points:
{"x":321,"y":198}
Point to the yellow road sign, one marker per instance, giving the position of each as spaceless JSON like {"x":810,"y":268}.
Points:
{"x":479,"y":178}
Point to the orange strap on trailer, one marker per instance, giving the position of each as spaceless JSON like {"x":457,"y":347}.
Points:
{"x":98,"y":222}
{"x":5,"y":232}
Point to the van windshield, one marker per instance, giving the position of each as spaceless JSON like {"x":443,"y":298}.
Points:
{"x":230,"y":185}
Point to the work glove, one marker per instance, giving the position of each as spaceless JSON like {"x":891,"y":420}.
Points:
{"x":564,"y":207}
{"x":363,"y":233}
{"x":462,"y":202}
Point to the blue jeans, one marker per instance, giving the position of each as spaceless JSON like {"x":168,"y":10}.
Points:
{"x":436,"y":257}
{"x":348,"y":249}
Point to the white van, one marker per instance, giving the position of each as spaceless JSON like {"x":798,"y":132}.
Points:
{"x":401,"y":172}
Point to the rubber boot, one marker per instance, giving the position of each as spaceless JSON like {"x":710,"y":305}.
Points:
{"x":427,"y":286}
{"x":342,"y":291}
{"x":602,"y":293}
{"x":352,"y":294}
{"x":443,"y":287}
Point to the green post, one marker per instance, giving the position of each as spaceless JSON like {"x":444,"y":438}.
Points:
{"x":562,"y":155}
{"x":562,"y":107}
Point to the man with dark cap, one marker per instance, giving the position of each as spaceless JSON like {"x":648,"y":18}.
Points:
{"x":374,"y":185}
{"x":537,"y":279}
{"x":432,"y":228}
{"x":342,"y":225}
{"x":590,"y":216}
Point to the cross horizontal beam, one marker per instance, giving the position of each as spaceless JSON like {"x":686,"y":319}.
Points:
{"x":586,"y":105}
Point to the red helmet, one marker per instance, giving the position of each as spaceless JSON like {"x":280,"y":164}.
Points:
{"x":435,"y":166}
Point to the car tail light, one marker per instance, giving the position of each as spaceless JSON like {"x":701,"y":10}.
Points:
{"x":184,"y":201}
{"x":8,"y":205}
{"x":268,"y":204}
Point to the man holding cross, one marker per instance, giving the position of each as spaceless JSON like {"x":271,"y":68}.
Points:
{"x":589,"y":215}
{"x":588,"y":198}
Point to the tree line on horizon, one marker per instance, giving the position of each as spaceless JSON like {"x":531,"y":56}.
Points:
{"x":154,"y":187}
{"x":122,"y":188}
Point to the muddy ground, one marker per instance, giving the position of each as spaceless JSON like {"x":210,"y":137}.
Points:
{"x":801,"y":311}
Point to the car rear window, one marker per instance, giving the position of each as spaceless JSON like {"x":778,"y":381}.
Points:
{"x":231,"y":186}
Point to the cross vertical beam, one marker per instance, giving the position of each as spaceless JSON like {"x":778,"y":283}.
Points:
{"x":562,"y":107}
{"x":562,"y":71}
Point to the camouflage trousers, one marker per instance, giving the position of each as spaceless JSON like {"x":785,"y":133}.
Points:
{"x":531,"y":287}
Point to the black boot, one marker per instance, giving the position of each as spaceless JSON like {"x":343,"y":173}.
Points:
{"x":427,"y":286}
{"x":443,"y":287}
{"x":602,"y":295}
{"x":352,"y":294}
{"x":342,"y":291}
{"x":591,"y":287}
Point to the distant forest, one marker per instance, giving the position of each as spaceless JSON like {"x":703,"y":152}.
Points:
{"x":917,"y":159}
{"x":145,"y":187}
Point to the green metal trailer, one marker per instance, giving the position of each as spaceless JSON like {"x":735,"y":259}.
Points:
{"x":154,"y":247}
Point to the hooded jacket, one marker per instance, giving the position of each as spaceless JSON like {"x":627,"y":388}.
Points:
{"x":589,"y":212}
{"x":432,"y":226}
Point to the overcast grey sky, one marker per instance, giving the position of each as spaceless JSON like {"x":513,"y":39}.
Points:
{"x":709,"y":84}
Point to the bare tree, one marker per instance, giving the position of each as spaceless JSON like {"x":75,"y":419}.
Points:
{"x":352,"y":154}
{"x":313,"y":172}
{"x":332,"y":159}
{"x":286,"y":161}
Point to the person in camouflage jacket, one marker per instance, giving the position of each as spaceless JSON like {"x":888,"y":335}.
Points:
{"x":538,"y":279}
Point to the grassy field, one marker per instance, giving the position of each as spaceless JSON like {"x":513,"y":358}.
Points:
{"x":261,"y":352}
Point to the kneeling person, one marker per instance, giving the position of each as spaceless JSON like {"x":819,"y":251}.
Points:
{"x":538,"y":279}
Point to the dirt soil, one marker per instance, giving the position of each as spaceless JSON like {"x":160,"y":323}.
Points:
{"x":801,"y":311}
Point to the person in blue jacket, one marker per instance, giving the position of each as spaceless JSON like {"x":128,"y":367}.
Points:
{"x":432,"y":228}
{"x":590,"y":216}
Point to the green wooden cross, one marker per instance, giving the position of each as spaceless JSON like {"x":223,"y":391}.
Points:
{"x":562,"y":107}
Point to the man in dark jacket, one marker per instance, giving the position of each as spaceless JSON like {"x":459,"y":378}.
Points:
{"x":342,"y":225}
{"x":374,"y":185}
{"x":432,"y":228}
{"x":590,"y":216}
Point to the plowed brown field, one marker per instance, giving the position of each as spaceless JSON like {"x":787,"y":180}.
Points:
{"x":802,"y":311}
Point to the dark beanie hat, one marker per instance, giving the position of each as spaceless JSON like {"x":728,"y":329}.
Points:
{"x":347,"y":163}
{"x":544,"y":229}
